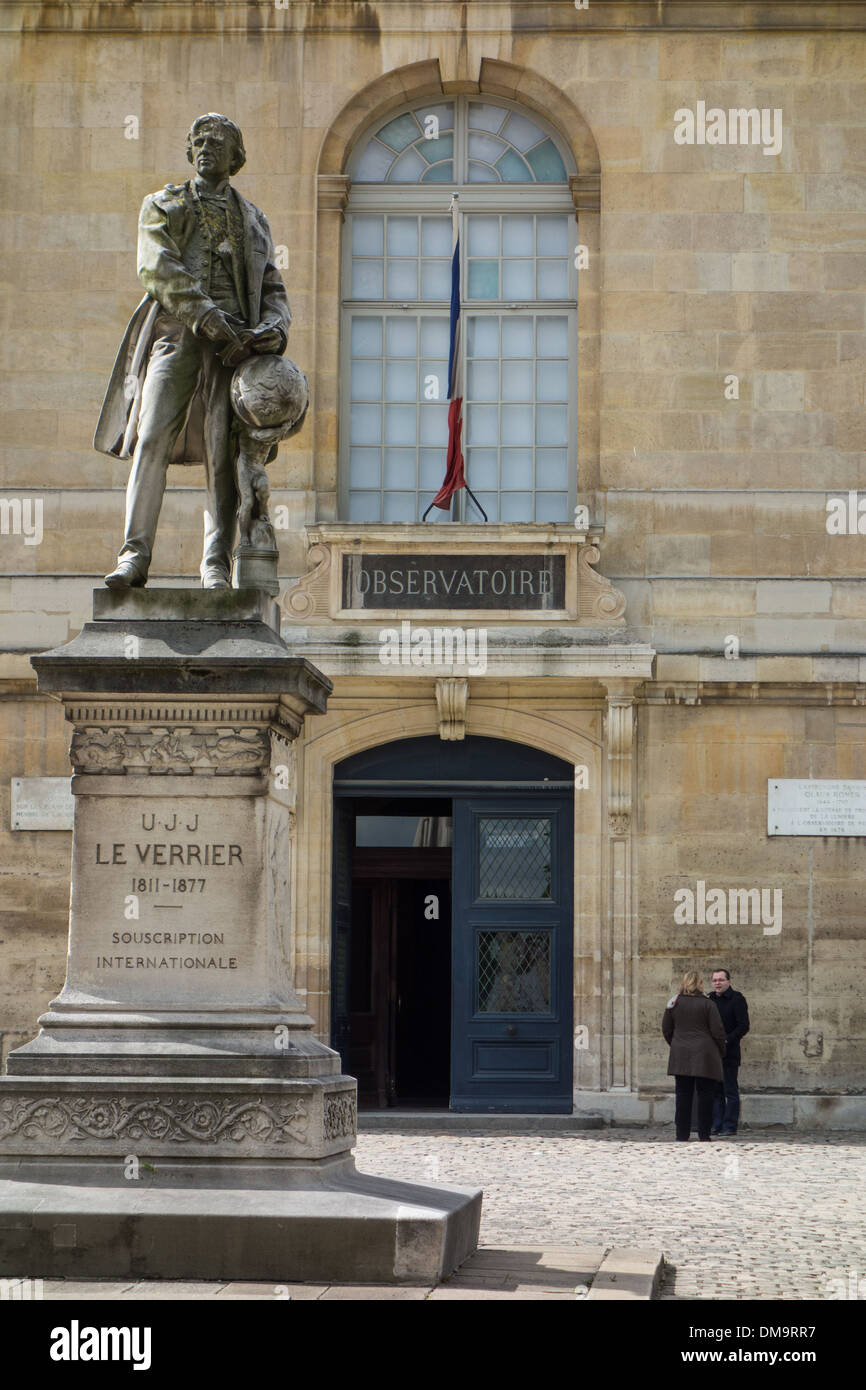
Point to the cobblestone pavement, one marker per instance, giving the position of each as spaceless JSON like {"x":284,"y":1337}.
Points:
{"x":760,"y":1216}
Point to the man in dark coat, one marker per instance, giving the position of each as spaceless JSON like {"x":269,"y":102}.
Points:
{"x":734,"y":1013}
{"x":214,"y":297}
{"x":693,"y":1030}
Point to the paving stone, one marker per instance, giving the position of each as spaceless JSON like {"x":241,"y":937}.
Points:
{"x":794,"y":1211}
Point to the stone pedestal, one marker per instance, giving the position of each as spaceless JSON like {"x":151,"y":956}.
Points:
{"x":175,"y":1117}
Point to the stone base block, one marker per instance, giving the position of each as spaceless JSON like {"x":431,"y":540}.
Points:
{"x":326,"y":1223}
{"x":757,"y":1111}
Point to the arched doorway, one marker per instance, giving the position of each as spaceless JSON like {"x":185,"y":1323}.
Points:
{"x":452,"y":925}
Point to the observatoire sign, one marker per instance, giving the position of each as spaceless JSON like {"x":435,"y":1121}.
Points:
{"x":534,"y":582}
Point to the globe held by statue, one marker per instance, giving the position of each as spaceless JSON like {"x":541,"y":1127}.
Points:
{"x":270,"y":393}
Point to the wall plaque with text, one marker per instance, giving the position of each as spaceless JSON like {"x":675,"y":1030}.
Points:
{"x":534,"y":582}
{"x":816,"y":806}
{"x":41,"y":803}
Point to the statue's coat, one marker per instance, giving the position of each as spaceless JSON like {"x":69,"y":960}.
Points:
{"x":174,"y":267}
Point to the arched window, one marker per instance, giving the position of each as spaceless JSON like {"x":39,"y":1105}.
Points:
{"x":518,"y":313}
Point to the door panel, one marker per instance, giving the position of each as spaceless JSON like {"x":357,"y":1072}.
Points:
{"x":512,"y":949}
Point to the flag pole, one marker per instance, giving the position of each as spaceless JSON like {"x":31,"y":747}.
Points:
{"x":456,"y":367}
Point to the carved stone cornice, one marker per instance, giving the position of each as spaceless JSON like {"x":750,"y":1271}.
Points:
{"x":169,"y":749}
{"x":452,"y":697}
{"x":332,"y":192}
{"x":585,"y":192}
{"x":597,"y":599}
{"x":309,"y":597}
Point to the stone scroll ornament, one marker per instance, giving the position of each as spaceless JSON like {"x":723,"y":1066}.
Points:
{"x":270,"y":396}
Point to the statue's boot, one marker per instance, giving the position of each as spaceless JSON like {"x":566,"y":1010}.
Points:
{"x":126,"y":576}
{"x":214,"y":579}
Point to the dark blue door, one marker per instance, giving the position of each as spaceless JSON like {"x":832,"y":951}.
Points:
{"x":512,"y":949}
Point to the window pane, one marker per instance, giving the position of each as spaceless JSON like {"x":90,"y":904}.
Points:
{"x":402,"y":236}
{"x":434,"y":337}
{"x":517,"y":280}
{"x":399,"y":468}
{"x":483,"y":337}
{"x":482,"y":468}
{"x":483,"y":279}
{"x":490,"y":503}
{"x":364,"y":506}
{"x":514,"y":859}
{"x":513,"y":972}
{"x":435,"y":236}
{"x":552,"y":279}
{"x":517,"y":381}
{"x":373,"y":166}
{"x":441,"y":148}
{"x":546,"y":163}
{"x":517,"y":424}
{"x":517,"y":468}
{"x":522,"y":132}
{"x":440,"y":173}
{"x":552,"y":424}
{"x":486,"y":147}
{"x":365,"y":468}
{"x":367,"y":236}
{"x":485,"y":116}
{"x":551,"y":506}
{"x":408,"y":168}
{"x":365,"y":424}
{"x":517,"y":337}
{"x":483,"y":236}
{"x":436,"y":280}
{"x":517,"y":236}
{"x":438,"y":386}
{"x":402,"y":279}
{"x":444,"y":115}
{"x":367,"y":280}
{"x":432,"y":471}
{"x":400,"y":506}
{"x":400,"y":424}
{"x":400,"y":132}
{"x":551,"y":468}
{"x":515,"y":506}
{"x":553,"y":236}
{"x":482,"y":424}
{"x":552,"y":381}
{"x":434,"y":424}
{"x":401,"y":381}
{"x":366,"y":381}
{"x":401,"y":337}
{"x":481,"y":173}
{"x":553,"y":337}
{"x":483,"y":381}
{"x":366,"y":337}
{"x":513,"y":169}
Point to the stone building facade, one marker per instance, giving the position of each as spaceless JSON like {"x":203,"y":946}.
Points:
{"x":664,"y":258}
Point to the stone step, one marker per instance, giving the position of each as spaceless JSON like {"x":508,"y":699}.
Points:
{"x":397,"y":1121}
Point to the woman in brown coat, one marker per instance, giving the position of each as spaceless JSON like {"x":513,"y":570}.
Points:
{"x":693,"y":1030}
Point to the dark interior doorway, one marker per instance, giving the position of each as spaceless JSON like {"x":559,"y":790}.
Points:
{"x":399,"y":1016}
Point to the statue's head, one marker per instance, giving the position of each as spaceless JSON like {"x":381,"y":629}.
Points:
{"x":212,"y":140}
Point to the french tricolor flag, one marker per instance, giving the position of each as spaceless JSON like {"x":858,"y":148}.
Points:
{"x":455,"y":477}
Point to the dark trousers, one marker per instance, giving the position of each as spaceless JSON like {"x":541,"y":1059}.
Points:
{"x":685,"y":1089}
{"x":726,"y":1106}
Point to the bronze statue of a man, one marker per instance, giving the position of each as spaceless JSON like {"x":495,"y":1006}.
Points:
{"x":214,"y":297}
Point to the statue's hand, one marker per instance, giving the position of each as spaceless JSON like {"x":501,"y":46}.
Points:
{"x":216,"y":327}
{"x":266,"y":340}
